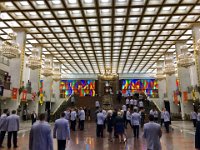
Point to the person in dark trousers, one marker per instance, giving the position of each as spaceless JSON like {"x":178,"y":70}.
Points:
{"x":40,"y":137}
{"x":142,"y":115}
{"x":73,"y":119}
{"x":24,"y":114}
{"x":197,"y":136}
{"x":100,"y":122}
{"x":114,"y":115}
{"x":3,"y":126}
{"x":166,"y":120}
{"x":33,"y":117}
{"x":109,"y":122}
{"x":193,"y":117}
{"x":61,"y":131}
{"x":135,"y":122}
{"x":12,"y":128}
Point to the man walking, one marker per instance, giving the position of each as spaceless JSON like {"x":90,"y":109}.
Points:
{"x":3,"y":126}
{"x":40,"y":135}
{"x":166,"y":120}
{"x":33,"y":117}
{"x":152,"y":134}
{"x":61,"y":131}
{"x":82,"y":118}
{"x":193,"y":117}
{"x":73,"y":120}
{"x":12,"y":128}
{"x":135,"y":122}
{"x":100,"y":123}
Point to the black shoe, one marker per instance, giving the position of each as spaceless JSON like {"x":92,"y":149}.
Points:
{"x":15,"y":146}
{"x":1,"y":146}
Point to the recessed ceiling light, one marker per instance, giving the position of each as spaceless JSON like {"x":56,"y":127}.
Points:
{"x":88,"y":1}
{"x":56,"y":2}
{"x":40,"y":2}
{"x":24,"y":3}
{"x":72,"y":1}
{"x":166,"y":8}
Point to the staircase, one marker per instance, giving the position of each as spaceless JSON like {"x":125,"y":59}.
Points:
{"x":61,"y":108}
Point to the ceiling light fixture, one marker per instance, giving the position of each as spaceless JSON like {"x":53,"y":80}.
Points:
{"x":10,"y":49}
{"x":185,"y":59}
{"x":34,"y":61}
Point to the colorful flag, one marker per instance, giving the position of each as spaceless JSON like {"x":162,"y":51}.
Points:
{"x":24,"y":95}
{"x":185,"y":96}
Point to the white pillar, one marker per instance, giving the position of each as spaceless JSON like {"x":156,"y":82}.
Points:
{"x":196,"y":70}
{"x":185,"y":82}
{"x":161,"y":85}
{"x":48,"y":81}
{"x":34,"y":78}
{"x":17,"y":64}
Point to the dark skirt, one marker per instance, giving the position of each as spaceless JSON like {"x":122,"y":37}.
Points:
{"x":119,"y":128}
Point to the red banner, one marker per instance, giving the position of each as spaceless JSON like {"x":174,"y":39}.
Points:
{"x":24,"y":95}
{"x":185,"y":96}
{"x":175,"y":98}
{"x":14,"y":93}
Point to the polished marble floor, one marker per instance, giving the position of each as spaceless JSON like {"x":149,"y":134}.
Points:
{"x":181,"y":138}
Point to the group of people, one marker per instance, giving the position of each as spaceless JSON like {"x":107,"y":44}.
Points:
{"x":9,"y":123}
{"x":131,"y":103}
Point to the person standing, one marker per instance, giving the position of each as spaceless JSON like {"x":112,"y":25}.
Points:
{"x":3,"y":126}
{"x":131,"y":103}
{"x":82,"y":118}
{"x":128,"y":118}
{"x":61,"y":131}
{"x":72,"y":100}
{"x":67,"y":114}
{"x":135,"y":122}
{"x":119,"y":124}
{"x":135,"y":103}
{"x":100,"y":123}
{"x":166,"y":120}
{"x":33,"y":117}
{"x":127,"y":102}
{"x":162,"y":117}
{"x":73,"y":120}
{"x":141,"y":105}
{"x":142,"y":115}
{"x":109,"y":121}
{"x":155,"y":113}
{"x":197,"y":136}
{"x":152,"y":134}
{"x":193,"y":117}
{"x":40,"y":135}
{"x":97,"y":105}
{"x":24,"y":115}
{"x":12,"y":128}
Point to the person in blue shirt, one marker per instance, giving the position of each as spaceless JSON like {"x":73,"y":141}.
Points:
{"x":61,"y":131}
{"x":40,"y":135}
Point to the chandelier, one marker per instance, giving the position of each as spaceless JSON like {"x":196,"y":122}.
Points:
{"x":198,"y":47}
{"x":10,"y":49}
{"x":160,"y":74}
{"x":169,"y":65}
{"x":185,"y":59}
{"x":108,"y":75}
{"x":47,"y":69}
{"x":56,"y":74}
{"x":34,"y":61}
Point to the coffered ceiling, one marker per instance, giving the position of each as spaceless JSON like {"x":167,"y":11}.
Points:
{"x":87,"y":36}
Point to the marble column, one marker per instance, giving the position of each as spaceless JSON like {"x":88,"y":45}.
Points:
{"x":185,"y":82}
{"x":161,"y":85}
{"x":17,"y":65}
{"x":195,"y":70}
{"x":48,"y":82}
{"x":34,"y":78}
{"x":171,"y":83}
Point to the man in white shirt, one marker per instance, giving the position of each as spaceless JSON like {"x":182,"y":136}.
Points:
{"x":135,"y":102}
{"x":97,"y":105}
{"x":141,"y":104}
{"x":155,"y":114}
{"x":166,"y":120}
{"x":162,"y":117}
{"x":152,"y":134}
{"x":82,"y":118}
{"x":131,"y":104}
{"x":127,"y":102}
{"x":128,"y":117}
{"x":135,"y":122}
{"x":100,"y":123}
{"x":73,"y":120}
{"x":193,"y":117}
